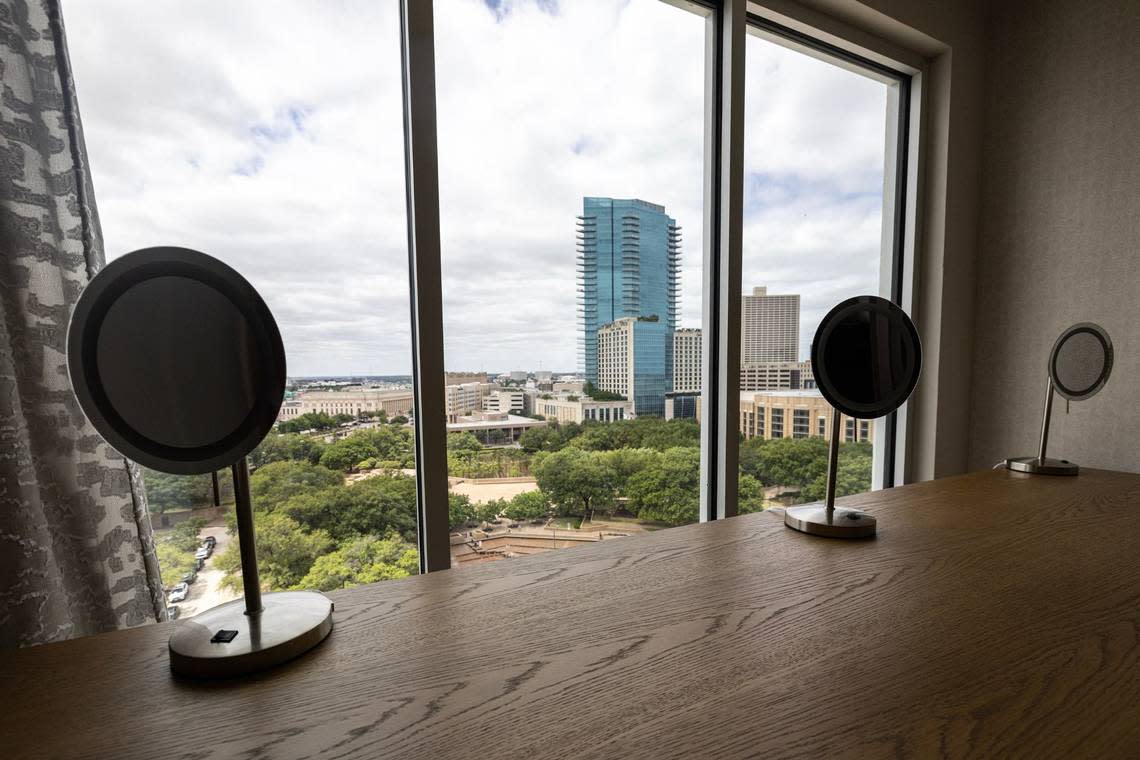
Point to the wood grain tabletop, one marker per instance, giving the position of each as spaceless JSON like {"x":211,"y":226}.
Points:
{"x":995,"y":615}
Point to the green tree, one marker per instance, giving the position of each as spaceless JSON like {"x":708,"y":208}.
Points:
{"x":367,"y":559}
{"x":578,"y":482}
{"x":386,"y":443}
{"x":346,"y":454}
{"x":277,"y":482}
{"x":489,"y":511}
{"x":644,"y":432}
{"x":184,"y":535}
{"x":792,"y":462}
{"x":545,"y":438}
{"x":853,"y":475}
{"x":373,"y":506}
{"x":308,"y":421}
{"x":667,"y":489}
{"x":173,"y":562}
{"x":750,"y":495}
{"x":285,"y":552}
{"x":166,"y":492}
{"x":464,"y":441}
{"x":286,"y":447}
{"x":627,"y":462}
{"x":530,"y":505}
{"x":460,"y":511}
{"x":175,"y":549}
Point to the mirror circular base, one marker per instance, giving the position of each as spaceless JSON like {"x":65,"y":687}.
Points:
{"x":1038,"y":466}
{"x":290,"y":624}
{"x":842,"y":523}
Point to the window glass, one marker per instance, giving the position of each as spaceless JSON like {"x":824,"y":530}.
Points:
{"x":571,"y":139}
{"x":813,"y":236}
{"x":269,"y":135}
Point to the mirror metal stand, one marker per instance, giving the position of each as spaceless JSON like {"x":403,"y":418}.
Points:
{"x":1041,"y":464}
{"x":255,"y":633}
{"x":827,"y":520}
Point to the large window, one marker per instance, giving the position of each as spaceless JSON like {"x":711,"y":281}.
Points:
{"x":564,"y":187}
{"x":571,"y":141}
{"x":269,"y":135}
{"x":820,"y":136}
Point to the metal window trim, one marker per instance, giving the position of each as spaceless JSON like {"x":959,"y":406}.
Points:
{"x":903,"y":117}
{"x":421,"y":167}
{"x":721,"y":275}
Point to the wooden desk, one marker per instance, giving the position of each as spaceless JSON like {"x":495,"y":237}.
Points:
{"x":996,"y":614}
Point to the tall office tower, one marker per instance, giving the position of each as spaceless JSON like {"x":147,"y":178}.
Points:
{"x":631,"y":362}
{"x":628,"y":266}
{"x":769,"y":328}
{"x":687,"y":360}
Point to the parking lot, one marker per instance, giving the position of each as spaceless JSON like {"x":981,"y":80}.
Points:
{"x":206,"y":591}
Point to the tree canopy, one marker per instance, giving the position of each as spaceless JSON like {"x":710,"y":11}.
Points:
{"x":277,"y":482}
{"x":312,"y":421}
{"x":366,"y":559}
{"x":577,"y":481}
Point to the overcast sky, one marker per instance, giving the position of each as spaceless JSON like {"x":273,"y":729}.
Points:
{"x":268,"y":133}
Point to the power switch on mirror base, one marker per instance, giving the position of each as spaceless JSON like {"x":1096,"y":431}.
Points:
{"x":817,"y":520}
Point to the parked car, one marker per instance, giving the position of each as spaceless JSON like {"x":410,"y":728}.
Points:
{"x":202,"y":553}
{"x":199,"y":563}
{"x":190,"y":577}
{"x":210,"y":541}
{"x":179,"y":593}
{"x":173,"y":612}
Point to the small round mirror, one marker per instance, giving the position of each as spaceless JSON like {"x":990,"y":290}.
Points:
{"x":1081,"y":361}
{"x":866,"y":357}
{"x":176,"y":360}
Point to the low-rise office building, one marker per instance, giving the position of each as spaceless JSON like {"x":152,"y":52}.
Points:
{"x":493,"y":428}
{"x":510,"y":400}
{"x":795,"y":414}
{"x":581,"y":408}
{"x":774,"y":376}
{"x":349,"y":401}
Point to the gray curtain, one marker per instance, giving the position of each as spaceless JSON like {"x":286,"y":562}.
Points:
{"x":76,"y":551}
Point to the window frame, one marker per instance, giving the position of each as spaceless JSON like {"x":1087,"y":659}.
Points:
{"x":726,"y":24}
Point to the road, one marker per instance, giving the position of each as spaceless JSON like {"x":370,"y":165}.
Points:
{"x":206,"y":591}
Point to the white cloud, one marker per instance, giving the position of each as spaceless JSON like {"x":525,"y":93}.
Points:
{"x":269,"y":134}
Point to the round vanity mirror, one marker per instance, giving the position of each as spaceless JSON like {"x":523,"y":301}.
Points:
{"x":178,"y":363}
{"x":176,"y":360}
{"x":1079,"y":366}
{"x":866,"y":358}
{"x":1081,"y":361}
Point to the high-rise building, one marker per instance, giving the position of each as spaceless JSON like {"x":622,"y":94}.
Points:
{"x":632,"y":355}
{"x":687,"y":360}
{"x":628,"y":266}
{"x":769,"y":328}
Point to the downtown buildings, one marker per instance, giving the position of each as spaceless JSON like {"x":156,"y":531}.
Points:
{"x":628,"y":269}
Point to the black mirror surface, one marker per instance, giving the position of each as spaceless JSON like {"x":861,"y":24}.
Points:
{"x":176,"y":360}
{"x":866,"y":357}
{"x":1081,"y":361}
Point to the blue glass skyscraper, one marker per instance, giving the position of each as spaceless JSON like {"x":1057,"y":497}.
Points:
{"x":628,"y":266}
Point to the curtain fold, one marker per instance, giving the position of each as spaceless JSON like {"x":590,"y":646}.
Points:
{"x":76,"y":550}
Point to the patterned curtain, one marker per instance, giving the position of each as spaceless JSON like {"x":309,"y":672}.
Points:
{"x":76,"y":551}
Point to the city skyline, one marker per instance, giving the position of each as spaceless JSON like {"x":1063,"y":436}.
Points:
{"x":285,"y":160}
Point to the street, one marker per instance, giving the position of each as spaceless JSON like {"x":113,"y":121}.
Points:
{"x":206,"y":591}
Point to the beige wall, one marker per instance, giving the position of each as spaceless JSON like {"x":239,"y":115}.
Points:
{"x":948,"y":38}
{"x":1060,"y":232}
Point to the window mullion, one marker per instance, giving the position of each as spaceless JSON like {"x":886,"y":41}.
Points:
{"x":724,"y":192}
{"x":422,"y":181}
